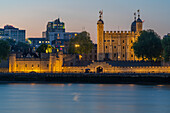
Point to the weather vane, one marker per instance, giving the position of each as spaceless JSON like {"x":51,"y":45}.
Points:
{"x":101,"y":14}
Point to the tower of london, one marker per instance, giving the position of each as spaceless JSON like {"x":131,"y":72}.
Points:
{"x":117,"y":45}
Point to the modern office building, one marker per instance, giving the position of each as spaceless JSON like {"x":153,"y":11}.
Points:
{"x":56,"y":34}
{"x":13,"y":33}
{"x":36,"y":42}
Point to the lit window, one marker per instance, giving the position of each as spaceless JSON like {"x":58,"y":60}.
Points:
{"x":46,"y":41}
{"x":58,"y":34}
{"x":40,"y":42}
{"x":75,"y":34}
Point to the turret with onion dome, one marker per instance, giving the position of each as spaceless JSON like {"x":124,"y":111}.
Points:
{"x":100,"y":21}
{"x":133,"y":26}
{"x":139,"y":23}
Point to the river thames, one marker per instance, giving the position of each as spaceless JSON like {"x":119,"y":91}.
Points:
{"x":84,"y":98}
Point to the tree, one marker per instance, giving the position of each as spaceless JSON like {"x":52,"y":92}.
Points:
{"x":4,"y":49}
{"x":148,"y":45}
{"x":11,"y":43}
{"x":166,"y":47}
{"x":81,"y":44}
{"x":22,"y":47}
{"x":44,"y":48}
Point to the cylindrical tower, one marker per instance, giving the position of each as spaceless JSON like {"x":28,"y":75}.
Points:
{"x":12,"y":63}
{"x":100,"y":38}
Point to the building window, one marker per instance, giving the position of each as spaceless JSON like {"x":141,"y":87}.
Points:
{"x":17,"y":65}
{"x":123,"y":41}
{"x":106,"y":47}
{"x":47,"y":65}
{"x":114,"y":46}
{"x":95,"y":51}
{"x":40,"y":42}
{"x":38,"y":65}
{"x":131,"y":55}
{"x":123,"y":47}
{"x":114,"y":54}
{"x":32,"y":65}
{"x":112,"y":40}
{"x":104,"y":40}
{"x":131,"y":41}
{"x":131,"y":47}
{"x":108,"y":40}
{"x":25,"y":65}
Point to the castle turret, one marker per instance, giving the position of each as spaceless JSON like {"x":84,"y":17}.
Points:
{"x":133,"y":26}
{"x":139,"y":23}
{"x":12,"y":62}
{"x":100,"y":37}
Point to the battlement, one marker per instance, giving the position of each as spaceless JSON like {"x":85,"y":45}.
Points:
{"x":119,"y":33}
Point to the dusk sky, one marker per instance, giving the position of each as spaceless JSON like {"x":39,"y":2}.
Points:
{"x":33,"y":15}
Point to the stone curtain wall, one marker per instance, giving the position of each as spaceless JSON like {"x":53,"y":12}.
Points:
{"x":114,"y":69}
{"x":4,"y":70}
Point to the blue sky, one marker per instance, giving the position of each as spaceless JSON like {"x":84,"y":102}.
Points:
{"x":33,"y":15}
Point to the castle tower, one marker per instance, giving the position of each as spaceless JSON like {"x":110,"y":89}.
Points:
{"x":12,"y":62}
{"x":139,"y":23}
{"x":60,"y":64}
{"x":133,"y":26}
{"x":52,"y":62}
{"x":100,"y":37}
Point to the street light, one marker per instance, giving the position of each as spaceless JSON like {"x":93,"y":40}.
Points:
{"x":77,"y":45}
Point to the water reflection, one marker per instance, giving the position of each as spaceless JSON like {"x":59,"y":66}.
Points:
{"x":83,"y":98}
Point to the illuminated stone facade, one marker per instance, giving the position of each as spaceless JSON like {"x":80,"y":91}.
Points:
{"x":104,"y":67}
{"x":52,"y":63}
{"x":45,"y":64}
{"x":117,"y":45}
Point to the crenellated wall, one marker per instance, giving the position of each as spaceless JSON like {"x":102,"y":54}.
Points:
{"x":114,"y":69}
{"x":52,"y":64}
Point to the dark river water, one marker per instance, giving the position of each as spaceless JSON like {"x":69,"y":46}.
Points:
{"x":84,"y":98}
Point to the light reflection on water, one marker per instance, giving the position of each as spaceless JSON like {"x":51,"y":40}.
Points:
{"x":84,"y":98}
